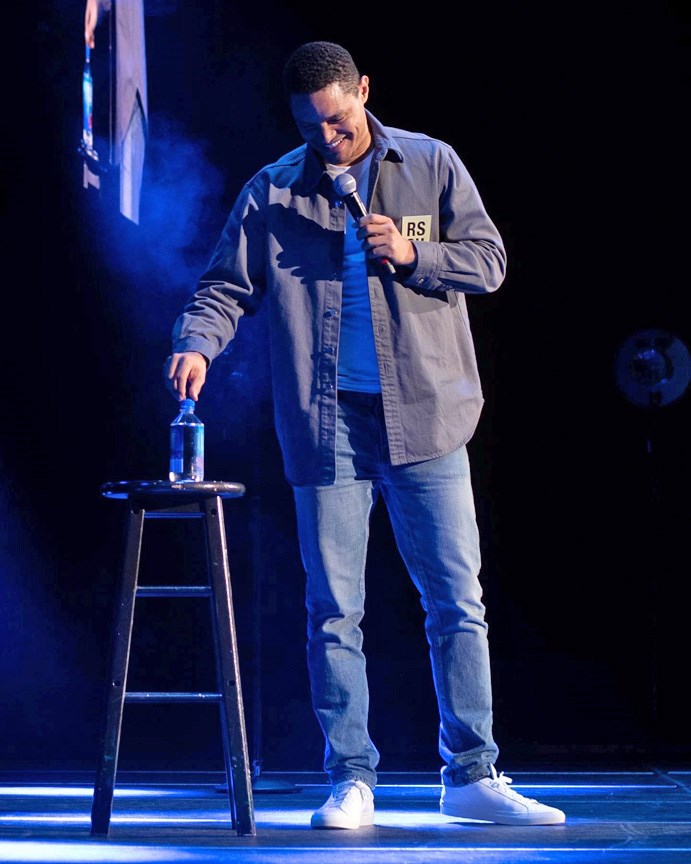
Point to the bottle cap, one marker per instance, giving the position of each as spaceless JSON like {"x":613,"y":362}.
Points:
{"x":187,"y":405}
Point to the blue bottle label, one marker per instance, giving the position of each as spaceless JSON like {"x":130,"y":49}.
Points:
{"x":186,"y":453}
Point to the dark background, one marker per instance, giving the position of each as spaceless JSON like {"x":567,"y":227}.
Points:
{"x":572,"y":119}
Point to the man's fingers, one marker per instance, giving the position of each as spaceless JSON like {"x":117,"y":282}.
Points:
{"x":185,"y":375}
{"x":176,"y":379}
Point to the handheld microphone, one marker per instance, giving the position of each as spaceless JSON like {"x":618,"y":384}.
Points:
{"x":346,"y":187}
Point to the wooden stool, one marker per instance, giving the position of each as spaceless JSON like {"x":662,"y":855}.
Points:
{"x":160,"y":499}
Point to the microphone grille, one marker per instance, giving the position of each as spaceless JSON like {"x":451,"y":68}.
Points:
{"x":345,"y":184}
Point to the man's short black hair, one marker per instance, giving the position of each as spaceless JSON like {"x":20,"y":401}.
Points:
{"x":315,"y":65}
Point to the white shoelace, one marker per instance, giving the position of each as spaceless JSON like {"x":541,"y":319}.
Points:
{"x":342,"y":790}
{"x":501,"y":782}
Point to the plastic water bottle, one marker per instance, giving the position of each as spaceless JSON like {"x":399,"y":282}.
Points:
{"x":87,"y":103}
{"x":186,"y":445}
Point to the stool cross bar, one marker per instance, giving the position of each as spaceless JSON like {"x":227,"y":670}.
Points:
{"x":158,"y":499}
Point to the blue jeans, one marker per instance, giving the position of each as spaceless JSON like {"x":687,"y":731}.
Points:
{"x":432,"y":514}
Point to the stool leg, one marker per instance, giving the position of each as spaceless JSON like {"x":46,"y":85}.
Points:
{"x":228,"y":669}
{"x":102,"y":804}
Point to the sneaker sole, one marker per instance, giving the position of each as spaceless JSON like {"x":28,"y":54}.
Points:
{"x":512,"y":819}
{"x":366,"y":821}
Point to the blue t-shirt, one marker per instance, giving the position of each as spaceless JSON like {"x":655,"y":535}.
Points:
{"x":357,"y":356}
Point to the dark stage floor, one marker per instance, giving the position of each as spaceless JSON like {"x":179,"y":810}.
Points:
{"x":616,"y":817}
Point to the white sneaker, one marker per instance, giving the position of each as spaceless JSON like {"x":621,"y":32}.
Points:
{"x":350,"y":805}
{"x":491,"y":800}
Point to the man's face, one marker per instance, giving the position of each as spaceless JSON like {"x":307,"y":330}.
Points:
{"x":334,"y":123}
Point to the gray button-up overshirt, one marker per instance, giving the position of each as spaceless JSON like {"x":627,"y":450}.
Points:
{"x":283,"y":243}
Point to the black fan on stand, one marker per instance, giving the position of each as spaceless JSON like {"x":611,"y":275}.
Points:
{"x":653,"y":370}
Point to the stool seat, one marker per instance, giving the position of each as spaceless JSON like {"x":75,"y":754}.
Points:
{"x":179,"y":489}
{"x":164,"y":499}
